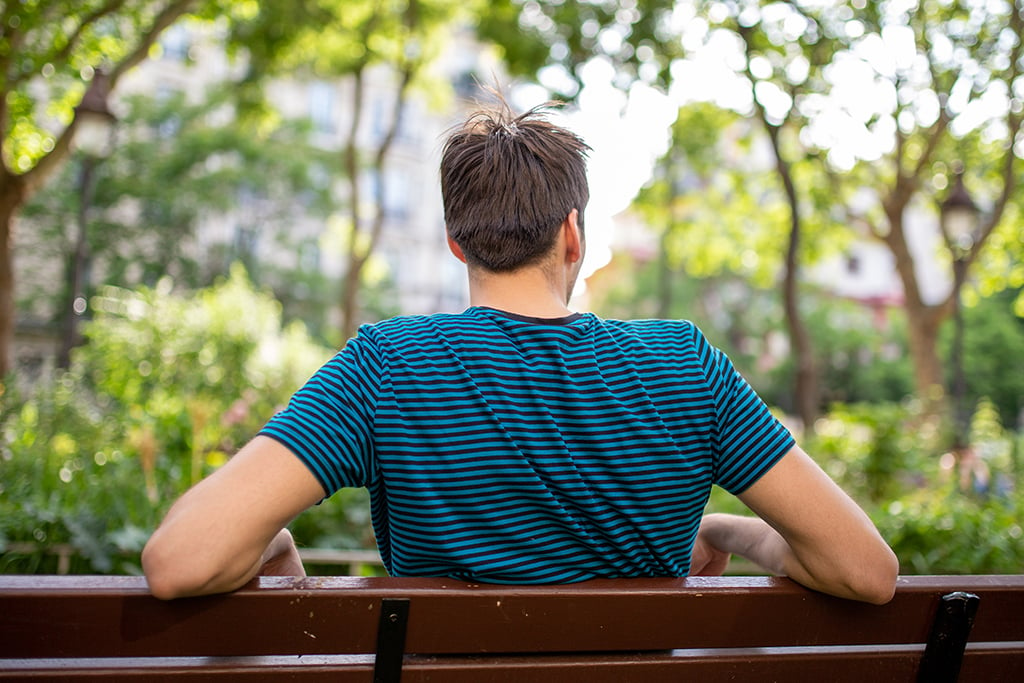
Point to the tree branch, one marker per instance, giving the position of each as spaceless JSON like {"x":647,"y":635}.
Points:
{"x":382,"y":152}
{"x":171,"y":13}
{"x":96,"y":15}
{"x":1014,"y":126}
{"x":35,"y":177}
{"x":409,"y":69}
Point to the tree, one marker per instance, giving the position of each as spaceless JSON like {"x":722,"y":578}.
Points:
{"x":139,"y":231}
{"x":886,"y":95}
{"x":639,"y":38}
{"x":740,"y":207}
{"x":930,"y":73}
{"x":56,"y":47}
{"x":343,"y":39}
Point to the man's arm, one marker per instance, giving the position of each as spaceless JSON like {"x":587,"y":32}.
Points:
{"x":228,"y":526}
{"x":809,"y":530}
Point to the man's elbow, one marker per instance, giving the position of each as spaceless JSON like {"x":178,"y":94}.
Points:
{"x":876,"y":580}
{"x":170,"y":575}
{"x":164,"y":579}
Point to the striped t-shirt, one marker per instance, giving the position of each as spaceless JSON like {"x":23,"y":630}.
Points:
{"x":507,"y":449}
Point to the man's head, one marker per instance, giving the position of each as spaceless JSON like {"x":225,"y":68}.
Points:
{"x":508,"y":183}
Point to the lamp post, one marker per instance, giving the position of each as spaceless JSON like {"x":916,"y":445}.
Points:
{"x":959,"y":219}
{"x":94,"y":137}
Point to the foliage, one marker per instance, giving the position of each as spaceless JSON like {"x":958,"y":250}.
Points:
{"x":886,"y":458}
{"x":51,"y":55}
{"x":68,"y":478}
{"x":398,"y":42}
{"x":993,"y":343}
{"x":869,"y":104}
{"x":138,"y":231}
{"x":872,"y":451}
{"x":637,"y":38}
{"x":861,"y":354}
{"x":936,"y":533}
{"x":167,"y":388}
{"x":53,"y":48}
{"x":890,"y":153}
{"x":716,"y":212}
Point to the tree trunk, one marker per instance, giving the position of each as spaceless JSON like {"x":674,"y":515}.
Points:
{"x":362,"y":243}
{"x":923,"y":320}
{"x":353,"y":266}
{"x":11,"y":199}
{"x":665,"y":277}
{"x":807,"y":392}
{"x":806,"y":386}
{"x":923,"y":324}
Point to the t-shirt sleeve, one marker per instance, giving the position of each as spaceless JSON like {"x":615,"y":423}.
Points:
{"x":328,"y":423}
{"x":749,"y":440}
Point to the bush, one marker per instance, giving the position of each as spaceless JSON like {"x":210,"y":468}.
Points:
{"x":875,"y":451}
{"x":888,"y":459}
{"x":953,"y":533}
{"x":165,"y":390}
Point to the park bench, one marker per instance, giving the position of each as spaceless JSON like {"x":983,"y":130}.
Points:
{"x":937,"y":628}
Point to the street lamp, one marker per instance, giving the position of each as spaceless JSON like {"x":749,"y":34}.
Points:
{"x":94,"y":122}
{"x":959,"y":219}
{"x":94,"y":138}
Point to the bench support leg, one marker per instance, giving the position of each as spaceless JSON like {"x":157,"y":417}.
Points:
{"x":944,"y":652}
{"x":394,"y":616}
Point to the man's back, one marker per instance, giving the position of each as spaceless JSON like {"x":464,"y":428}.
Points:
{"x":511,"y":449}
{"x":505,"y":449}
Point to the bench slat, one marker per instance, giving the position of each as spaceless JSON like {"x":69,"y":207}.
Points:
{"x":339,"y":616}
{"x":115,"y":616}
{"x":318,"y":629}
{"x":984,"y":663}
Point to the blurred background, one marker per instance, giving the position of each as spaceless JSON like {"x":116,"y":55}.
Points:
{"x":201,"y":200}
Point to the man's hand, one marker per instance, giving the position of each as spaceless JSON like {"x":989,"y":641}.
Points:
{"x":706,"y":559}
{"x":282,"y":557}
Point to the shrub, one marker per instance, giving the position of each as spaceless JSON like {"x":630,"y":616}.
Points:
{"x":166,"y":389}
{"x":952,"y":533}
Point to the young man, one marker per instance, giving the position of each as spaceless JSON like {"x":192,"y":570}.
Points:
{"x":519,"y":442}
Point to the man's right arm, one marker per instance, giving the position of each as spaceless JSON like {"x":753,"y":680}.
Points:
{"x":810,"y":531}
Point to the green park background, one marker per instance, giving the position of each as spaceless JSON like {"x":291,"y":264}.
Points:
{"x":166,"y":378}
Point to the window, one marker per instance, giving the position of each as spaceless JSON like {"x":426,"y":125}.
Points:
{"x":176,"y":43}
{"x":321,"y":106}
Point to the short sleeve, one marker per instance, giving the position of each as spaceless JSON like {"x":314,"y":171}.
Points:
{"x":328,"y":423}
{"x":748,"y":440}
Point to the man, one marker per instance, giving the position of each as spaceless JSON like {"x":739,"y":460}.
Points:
{"x":519,"y":442}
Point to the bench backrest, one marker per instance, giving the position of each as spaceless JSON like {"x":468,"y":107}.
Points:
{"x":381,"y":628}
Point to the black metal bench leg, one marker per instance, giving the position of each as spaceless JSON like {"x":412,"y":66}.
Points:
{"x":394,"y":616}
{"x":951,"y":628}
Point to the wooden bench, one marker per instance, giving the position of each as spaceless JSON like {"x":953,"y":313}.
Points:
{"x":939,"y":628}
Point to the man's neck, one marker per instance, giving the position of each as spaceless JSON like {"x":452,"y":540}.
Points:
{"x":530,"y":292}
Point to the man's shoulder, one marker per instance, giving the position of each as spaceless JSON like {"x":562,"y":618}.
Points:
{"x":655,"y":327}
{"x":414,"y":323}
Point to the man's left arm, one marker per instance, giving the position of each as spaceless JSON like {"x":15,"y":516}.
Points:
{"x":221,"y":533}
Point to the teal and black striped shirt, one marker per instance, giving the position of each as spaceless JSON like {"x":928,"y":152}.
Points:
{"x":507,"y":449}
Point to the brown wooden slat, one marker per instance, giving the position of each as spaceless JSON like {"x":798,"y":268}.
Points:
{"x":983,"y":662}
{"x":344,"y":668}
{"x":115,"y":616}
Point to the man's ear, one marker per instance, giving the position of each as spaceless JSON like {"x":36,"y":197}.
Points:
{"x":456,"y":249}
{"x":574,"y":246}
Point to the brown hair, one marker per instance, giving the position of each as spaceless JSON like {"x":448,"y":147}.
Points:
{"x":507,"y":183}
